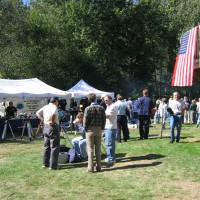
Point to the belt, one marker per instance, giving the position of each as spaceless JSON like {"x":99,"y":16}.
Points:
{"x":49,"y":124}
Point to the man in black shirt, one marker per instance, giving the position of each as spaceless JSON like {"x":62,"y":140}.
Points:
{"x":11,"y":111}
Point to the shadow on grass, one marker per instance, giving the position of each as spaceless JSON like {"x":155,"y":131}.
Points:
{"x":146,"y":157}
{"x":158,"y":136}
{"x":110,"y":167}
{"x":132,"y":166}
{"x":120,"y":159}
{"x":73,"y":165}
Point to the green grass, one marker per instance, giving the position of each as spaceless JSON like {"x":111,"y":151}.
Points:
{"x":147,"y":169}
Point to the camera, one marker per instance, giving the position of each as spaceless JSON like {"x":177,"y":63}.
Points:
{"x":170,"y":111}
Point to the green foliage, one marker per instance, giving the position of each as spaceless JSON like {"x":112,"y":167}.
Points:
{"x":120,"y":43}
{"x":148,"y":169}
{"x":12,"y":53}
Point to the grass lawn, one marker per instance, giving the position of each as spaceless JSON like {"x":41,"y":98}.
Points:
{"x":145,"y":169}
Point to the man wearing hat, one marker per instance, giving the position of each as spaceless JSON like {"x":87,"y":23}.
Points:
{"x":49,"y":116}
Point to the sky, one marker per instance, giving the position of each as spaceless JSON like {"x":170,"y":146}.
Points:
{"x":25,"y":1}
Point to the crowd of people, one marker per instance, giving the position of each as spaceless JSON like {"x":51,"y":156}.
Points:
{"x":110,"y":118}
{"x":191,"y":113}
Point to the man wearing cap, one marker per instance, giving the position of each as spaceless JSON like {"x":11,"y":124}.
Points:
{"x":49,"y":116}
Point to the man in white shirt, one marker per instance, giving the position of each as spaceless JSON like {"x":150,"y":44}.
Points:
{"x":178,"y":108}
{"x":110,"y":129}
{"x":49,"y":116}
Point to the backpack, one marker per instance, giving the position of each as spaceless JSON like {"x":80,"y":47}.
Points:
{"x":73,"y":156}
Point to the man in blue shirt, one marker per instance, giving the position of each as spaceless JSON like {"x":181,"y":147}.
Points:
{"x":135,"y":111}
{"x":121,"y":119}
{"x":144,"y":106}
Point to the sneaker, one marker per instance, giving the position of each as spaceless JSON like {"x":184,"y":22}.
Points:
{"x":110,"y":161}
{"x":89,"y":171}
{"x":55,"y":168}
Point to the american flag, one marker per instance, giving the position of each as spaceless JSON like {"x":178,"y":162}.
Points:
{"x":185,"y":59}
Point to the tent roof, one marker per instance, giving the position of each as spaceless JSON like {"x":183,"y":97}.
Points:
{"x":28,"y":88}
{"x":82,"y":89}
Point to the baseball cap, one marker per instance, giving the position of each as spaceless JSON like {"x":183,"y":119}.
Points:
{"x":54,"y":99}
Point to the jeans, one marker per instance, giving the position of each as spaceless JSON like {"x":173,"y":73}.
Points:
{"x":79,"y":145}
{"x":163,"y":118}
{"x":193,"y":116}
{"x":175,"y":120}
{"x":198,"y":119}
{"x":187,"y":116}
{"x":156,"y":118}
{"x":110,"y":143}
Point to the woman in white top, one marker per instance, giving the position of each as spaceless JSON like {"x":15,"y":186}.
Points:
{"x":163,"y":111}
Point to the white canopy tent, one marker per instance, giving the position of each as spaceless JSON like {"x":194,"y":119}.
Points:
{"x":28,"y":95}
{"x":29,"y":88}
{"x":82,"y":89}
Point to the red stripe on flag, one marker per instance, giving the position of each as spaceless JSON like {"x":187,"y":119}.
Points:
{"x":184,"y":65}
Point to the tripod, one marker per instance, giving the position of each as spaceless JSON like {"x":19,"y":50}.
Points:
{"x":64,"y":129}
{"x":39,"y":129}
{"x":5,"y":129}
{"x":27,"y":125}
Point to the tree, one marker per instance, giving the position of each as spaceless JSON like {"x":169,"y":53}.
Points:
{"x":12,"y":50}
